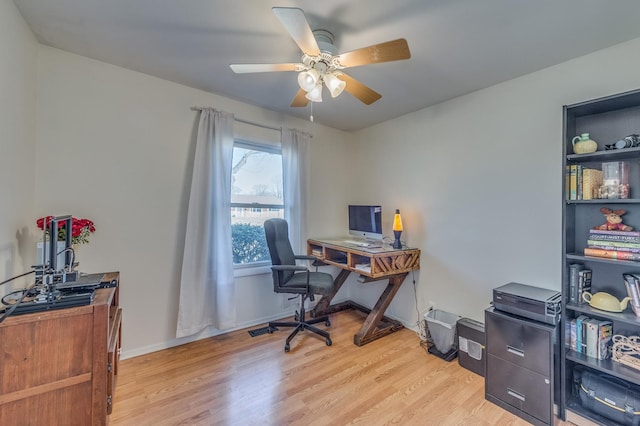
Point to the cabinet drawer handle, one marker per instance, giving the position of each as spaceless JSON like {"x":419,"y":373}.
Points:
{"x":515,"y":351}
{"x":515,"y":394}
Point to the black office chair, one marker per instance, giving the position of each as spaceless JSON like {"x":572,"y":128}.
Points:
{"x":294,"y":279}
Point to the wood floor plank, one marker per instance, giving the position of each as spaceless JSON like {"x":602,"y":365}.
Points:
{"x":236,"y":379}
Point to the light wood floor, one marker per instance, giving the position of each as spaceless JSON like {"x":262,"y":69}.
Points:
{"x":236,"y":379}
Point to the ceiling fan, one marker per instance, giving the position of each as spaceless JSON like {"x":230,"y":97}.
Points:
{"x":321,"y":62}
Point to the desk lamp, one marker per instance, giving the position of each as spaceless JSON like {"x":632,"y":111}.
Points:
{"x":397,"y":229}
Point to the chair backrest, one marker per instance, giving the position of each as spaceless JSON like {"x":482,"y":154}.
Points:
{"x":277,"y":234}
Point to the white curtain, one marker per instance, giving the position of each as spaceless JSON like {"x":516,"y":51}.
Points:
{"x":206,"y":285}
{"x":295,"y":169}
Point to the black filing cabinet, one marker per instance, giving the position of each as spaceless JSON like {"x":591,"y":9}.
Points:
{"x":520,"y":366}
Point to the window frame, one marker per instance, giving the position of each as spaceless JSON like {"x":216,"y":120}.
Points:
{"x":264,"y":267}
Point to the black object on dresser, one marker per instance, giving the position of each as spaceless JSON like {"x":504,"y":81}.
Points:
{"x":531,"y":302}
{"x":521,"y":365}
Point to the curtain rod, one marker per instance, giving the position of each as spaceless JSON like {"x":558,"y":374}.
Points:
{"x":240,"y":120}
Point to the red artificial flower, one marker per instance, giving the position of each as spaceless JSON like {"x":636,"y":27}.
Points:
{"x":80,"y":228}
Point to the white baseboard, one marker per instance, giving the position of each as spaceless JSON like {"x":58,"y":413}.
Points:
{"x":210,"y":332}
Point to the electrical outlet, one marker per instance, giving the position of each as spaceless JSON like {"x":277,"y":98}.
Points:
{"x":430,"y":305}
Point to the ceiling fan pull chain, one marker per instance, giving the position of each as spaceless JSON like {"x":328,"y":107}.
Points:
{"x":311,"y":116}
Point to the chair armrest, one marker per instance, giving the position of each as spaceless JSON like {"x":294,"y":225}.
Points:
{"x":304,"y":257}
{"x":289,"y":268}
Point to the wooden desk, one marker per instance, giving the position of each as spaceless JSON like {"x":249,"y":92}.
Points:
{"x":372,"y":264}
{"x":59,"y":367}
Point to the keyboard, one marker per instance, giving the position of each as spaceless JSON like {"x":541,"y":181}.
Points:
{"x":361,"y":243}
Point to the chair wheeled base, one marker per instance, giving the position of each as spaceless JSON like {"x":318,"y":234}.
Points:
{"x":301,"y":324}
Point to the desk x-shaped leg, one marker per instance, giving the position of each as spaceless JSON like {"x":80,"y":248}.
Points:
{"x":376,"y":325}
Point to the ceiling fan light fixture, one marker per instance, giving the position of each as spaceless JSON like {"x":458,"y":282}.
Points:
{"x":315,"y":94}
{"x":334,"y":84}
{"x":307,"y":80}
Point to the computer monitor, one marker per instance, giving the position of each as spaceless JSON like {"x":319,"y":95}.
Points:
{"x":365,"y":222}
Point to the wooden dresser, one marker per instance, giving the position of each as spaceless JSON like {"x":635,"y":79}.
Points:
{"x":60,"y":367}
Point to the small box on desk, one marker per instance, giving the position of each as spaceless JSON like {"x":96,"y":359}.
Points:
{"x":471,"y":341}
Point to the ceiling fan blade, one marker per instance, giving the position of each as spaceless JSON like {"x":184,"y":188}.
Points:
{"x":247,"y":68}
{"x":300,"y":99}
{"x":359,"y":90}
{"x":394,"y":50}
{"x":296,"y":24}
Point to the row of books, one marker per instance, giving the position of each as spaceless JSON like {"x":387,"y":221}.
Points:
{"x":582,"y":183}
{"x":622,"y":245}
{"x":579,"y":282}
{"x":591,"y":337}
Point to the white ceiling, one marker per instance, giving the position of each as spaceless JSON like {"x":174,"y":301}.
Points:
{"x":457,"y":46}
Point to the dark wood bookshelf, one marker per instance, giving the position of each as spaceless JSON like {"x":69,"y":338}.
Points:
{"x":607,"y":120}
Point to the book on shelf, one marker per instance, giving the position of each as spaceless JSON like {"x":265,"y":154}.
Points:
{"x":617,"y":244}
{"x":611,"y":254}
{"x":610,"y":248}
{"x":584,"y":284}
{"x":583,"y":335}
{"x":612,"y":232}
{"x":615,"y":236}
{"x":573,"y":182}
{"x":580,"y":343}
{"x":574,"y":268}
{"x":591,"y":181}
{"x":605,"y":336}
{"x":567,"y":182}
{"x":578,"y":182}
{"x":591,"y":332}
{"x":572,"y":334}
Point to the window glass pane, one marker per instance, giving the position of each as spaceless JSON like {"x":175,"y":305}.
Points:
{"x":256,"y":195}
{"x":256,"y":176}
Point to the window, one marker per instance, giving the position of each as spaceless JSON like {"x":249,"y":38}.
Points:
{"x":256,"y":195}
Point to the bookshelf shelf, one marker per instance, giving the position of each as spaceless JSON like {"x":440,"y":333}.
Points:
{"x":607,"y":120}
{"x":583,"y":258}
{"x":601,"y":201}
{"x":607,"y":366}
{"x":600,"y":156}
{"x":621,"y":317}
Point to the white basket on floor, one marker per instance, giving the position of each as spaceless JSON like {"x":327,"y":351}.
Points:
{"x":442,"y":327}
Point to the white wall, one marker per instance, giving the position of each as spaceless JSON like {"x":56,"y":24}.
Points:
{"x":477,"y":178}
{"x":18,"y":53}
{"x":478,"y":181}
{"x":116,"y":146}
